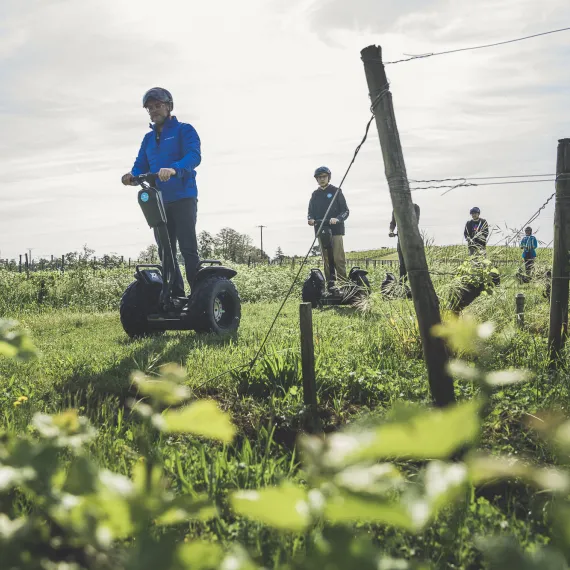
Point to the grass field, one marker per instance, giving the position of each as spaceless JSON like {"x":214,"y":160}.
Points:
{"x":367,"y":362}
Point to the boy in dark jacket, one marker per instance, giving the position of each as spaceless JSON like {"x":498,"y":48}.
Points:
{"x":172,"y":149}
{"x":476,"y":232}
{"x":403,"y":270}
{"x":528,"y":246}
{"x":318,"y":205}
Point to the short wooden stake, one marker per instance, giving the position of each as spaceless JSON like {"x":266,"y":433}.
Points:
{"x":308,"y":366}
{"x":520,"y":310}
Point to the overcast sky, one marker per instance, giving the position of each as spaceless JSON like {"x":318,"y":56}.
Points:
{"x":274,"y":88}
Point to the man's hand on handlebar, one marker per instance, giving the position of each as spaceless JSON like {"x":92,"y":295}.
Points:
{"x":311,"y":222}
{"x":164,"y":174}
{"x":391,"y":234}
{"x":334,"y":221}
{"x":128,"y":179}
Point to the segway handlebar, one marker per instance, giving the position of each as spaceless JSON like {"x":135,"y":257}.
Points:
{"x":149,"y":178}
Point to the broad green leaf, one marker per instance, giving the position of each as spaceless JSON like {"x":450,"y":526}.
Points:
{"x":9,"y":527}
{"x":373,"y":479}
{"x":67,"y":429}
{"x":199,"y":418}
{"x":15,"y":343}
{"x":349,"y":507}
{"x":285,"y":507}
{"x":11,"y":477}
{"x":429,"y":434}
{"x":464,"y":334}
{"x":463,"y":371}
{"x":506,"y":377}
{"x":485,"y":468}
{"x":199,"y":555}
{"x":443,"y":483}
{"x":167,"y":390}
{"x":184,"y":508}
{"x":81,"y":477}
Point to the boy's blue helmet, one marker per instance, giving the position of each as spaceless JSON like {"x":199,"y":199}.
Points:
{"x":475,"y":210}
{"x":322,"y":170}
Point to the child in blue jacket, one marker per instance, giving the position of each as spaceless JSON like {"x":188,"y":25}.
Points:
{"x":528,"y":246}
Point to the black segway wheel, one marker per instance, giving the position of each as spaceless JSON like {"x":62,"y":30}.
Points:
{"x":138,"y":301}
{"x":215,"y":306}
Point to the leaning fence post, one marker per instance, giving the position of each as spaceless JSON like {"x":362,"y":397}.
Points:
{"x":426,"y":302}
{"x":520,"y":310}
{"x":308,"y":366}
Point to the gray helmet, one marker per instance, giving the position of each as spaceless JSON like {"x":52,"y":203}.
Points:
{"x":322,"y":170}
{"x":159,"y":94}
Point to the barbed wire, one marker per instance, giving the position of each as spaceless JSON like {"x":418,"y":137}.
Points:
{"x":433,"y":54}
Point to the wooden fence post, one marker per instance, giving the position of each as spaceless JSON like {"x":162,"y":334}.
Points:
{"x":519,"y":300}
{"x":308,"y":366}
{"x":560,"y":262}
{"x":62,"y":263}
{"x":425,"y":300}
{"x":27,"y":267}
{"x":20,"y":265}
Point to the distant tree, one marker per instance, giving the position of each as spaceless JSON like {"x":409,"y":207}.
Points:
{"x":279,"y":255}
{"x":150,"y":254}
{"x":206,"y":244}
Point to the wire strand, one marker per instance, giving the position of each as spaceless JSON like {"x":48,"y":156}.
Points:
{"x":433,"y":54}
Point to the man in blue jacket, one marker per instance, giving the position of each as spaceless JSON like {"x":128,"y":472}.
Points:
{"x":172,"y":149}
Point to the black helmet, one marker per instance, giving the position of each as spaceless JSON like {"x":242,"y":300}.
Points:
{"x":159,"y":94}
{"x":475,"y":210}
{"x":528,"y":229}
{"x":322,"y":170}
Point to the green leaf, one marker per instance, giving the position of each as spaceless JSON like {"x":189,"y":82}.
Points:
{"x":443,"y":483}
{"x":429,"y":434}
{"x":346,"y":507}
{"x":199,"y":555}
{"x":81,"y":477}
{"x":285,"y":507}
{"x":506,"y":377}
{"x":67,"y":429}
{"x":486,"y":468}
{"x":11,"y":477}
{"x":464,"y":335}
{"x":184,"y":508}
{"x":9,"y":528}
{"x":373,"y":479}
{"x":199,"y":418}
{"x":166,"y":389}
{"x":15,"y":343}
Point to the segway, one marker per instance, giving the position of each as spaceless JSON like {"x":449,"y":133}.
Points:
{"x":148,"y":305}
{"x":317,"y":292}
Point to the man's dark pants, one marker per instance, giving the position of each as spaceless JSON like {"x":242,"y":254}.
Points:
{"x":181,"y":224}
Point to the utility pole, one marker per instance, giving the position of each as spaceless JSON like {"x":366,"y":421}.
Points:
{"x":425,"y":300}
{"x":560,"y":257}
{"x":261,"y":229}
